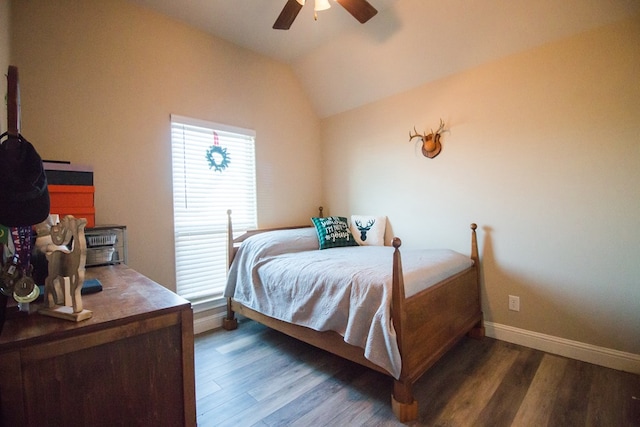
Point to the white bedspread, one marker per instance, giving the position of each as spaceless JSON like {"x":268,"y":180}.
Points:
{"x":284,"y":275}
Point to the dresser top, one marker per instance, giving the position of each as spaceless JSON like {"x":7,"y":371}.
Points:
{"x":126,"y":296}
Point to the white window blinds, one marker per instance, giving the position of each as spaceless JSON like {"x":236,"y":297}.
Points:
{"x":213,"y":171}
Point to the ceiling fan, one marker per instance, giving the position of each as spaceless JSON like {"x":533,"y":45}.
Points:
{"x":360,"y":9}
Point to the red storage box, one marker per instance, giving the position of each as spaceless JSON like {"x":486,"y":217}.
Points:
{"x":71,"y":195}
{"x":76,"y":200}
{"x":71,"y":190}
{"x":78,"y":212}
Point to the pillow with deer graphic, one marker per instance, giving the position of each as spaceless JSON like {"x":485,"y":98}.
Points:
{"x":368,"y":230}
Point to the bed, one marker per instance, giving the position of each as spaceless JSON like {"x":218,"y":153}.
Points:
{"x":358,"y":302}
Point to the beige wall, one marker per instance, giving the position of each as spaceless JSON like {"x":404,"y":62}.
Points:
{"x":99,"y":81}
{"x":4,"y":58}
{"x":543,"y":152}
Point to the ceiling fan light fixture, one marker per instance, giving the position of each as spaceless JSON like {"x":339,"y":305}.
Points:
{"x":359,"y":9}
{"x":321,"y":5}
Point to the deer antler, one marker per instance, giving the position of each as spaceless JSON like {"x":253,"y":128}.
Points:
{"x":439,"y":128}
{"x":417,"y":135}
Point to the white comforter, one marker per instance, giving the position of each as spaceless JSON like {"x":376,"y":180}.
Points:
{"x":282,"y":274}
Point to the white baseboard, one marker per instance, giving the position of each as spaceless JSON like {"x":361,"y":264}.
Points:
{"x":619,"y":360}
{"x":601,"y":356}
{"x":209,"y":322}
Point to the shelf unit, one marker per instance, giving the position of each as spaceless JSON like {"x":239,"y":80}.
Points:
{"x":106,"y":245}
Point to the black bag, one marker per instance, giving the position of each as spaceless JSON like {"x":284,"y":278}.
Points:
{"x":24,"y":195}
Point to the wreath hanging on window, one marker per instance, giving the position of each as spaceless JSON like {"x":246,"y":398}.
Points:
{"x":217,"y":156}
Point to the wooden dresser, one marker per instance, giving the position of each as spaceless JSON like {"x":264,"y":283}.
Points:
{"x":131,"y":364}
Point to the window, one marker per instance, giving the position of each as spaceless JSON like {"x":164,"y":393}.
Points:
{"x":213,"y":171}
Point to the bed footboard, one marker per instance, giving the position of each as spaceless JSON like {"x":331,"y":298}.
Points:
{"x":429,"y":323}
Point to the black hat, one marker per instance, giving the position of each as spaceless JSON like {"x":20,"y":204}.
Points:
{"x":24,"y":195}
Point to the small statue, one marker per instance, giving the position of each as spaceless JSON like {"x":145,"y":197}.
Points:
{"x":66,"y":263}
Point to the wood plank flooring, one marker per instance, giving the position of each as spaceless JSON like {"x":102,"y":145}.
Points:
{"x":255,"y":376}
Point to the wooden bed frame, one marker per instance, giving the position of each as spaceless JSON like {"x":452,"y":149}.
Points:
{"x":427,"y":324}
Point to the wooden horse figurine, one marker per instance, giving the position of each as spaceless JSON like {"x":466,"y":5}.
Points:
{"x":66,"y":264}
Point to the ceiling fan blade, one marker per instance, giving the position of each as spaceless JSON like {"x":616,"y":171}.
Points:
{"x":288,"y":15}
{"x":360,"y":9}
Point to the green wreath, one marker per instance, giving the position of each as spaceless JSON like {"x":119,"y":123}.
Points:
{"x":218,"y":158}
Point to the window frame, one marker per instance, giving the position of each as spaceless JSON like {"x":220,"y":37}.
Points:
{"x":219,"y":225}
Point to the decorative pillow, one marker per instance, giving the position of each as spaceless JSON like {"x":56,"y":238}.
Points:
{"x":333,"y":232}
{"x":368,"y":230}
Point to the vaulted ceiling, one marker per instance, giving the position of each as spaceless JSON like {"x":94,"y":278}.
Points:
{"x":343,"y":64}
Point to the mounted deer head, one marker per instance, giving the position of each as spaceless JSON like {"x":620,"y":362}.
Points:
{"x":430,"y":143}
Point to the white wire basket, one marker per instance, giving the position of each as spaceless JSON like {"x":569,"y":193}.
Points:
{"x":100,"y":255}
{"x":101,"y":239}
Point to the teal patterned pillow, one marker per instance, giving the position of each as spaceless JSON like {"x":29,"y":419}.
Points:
{"x":333,"y":232}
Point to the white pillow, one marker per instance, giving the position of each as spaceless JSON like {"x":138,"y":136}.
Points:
{"x":368,"y":230}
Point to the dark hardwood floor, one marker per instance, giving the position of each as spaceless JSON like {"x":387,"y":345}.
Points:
{"x":255,"y":376}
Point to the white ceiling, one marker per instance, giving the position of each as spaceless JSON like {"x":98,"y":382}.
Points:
{"x":343,"y":64}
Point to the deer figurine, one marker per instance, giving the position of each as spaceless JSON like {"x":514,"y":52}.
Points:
{"x":430,"y":143}
{"x":64,"y":263}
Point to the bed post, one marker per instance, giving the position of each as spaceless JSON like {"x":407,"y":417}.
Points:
{"x":478,"y":330}
{"x":404,"y":406}
{"x":229,"y":322}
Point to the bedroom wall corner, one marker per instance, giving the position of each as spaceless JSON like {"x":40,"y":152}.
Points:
{"x":541,"y":151}
{"x":99,"y":82}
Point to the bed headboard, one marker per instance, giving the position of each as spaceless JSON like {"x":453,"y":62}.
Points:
{"x":234,"y":243}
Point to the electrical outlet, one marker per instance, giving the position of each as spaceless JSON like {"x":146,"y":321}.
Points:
{"x":514,"y":303}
